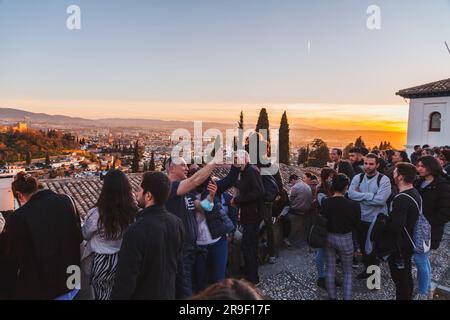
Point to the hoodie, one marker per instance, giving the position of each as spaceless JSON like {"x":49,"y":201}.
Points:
{"x":371,"y":197}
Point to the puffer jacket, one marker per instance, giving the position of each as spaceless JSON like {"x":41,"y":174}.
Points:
{"x":218,"y":221}
{"x":436,"y":206}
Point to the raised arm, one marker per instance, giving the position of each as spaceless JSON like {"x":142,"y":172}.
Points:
{"x":196,"y":180}
{"x":227,"y":182}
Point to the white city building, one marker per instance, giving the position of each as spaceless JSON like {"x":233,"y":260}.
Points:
{"x":429,"y":114}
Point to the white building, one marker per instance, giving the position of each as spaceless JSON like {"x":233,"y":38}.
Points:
{"x":429,"y":114}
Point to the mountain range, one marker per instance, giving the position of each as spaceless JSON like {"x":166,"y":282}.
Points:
{"x":299,"y":135}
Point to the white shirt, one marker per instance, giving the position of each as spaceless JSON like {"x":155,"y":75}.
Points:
{"x":204,"y":237}
{"x":95,"y":242}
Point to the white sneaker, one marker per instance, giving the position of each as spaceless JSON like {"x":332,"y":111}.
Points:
{"x":420,"y":296}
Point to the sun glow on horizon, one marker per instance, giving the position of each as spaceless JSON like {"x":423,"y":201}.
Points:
{"x":309,"y":116}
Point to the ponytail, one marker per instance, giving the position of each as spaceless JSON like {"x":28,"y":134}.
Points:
{"x":24,"y":183}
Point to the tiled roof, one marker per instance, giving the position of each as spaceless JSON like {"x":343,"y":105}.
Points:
{"x":433,"y":89}
{"x":85,"y":191}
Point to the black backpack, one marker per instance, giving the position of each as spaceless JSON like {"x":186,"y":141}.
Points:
{"x":362,"y":175}
{"x":271,"y":190}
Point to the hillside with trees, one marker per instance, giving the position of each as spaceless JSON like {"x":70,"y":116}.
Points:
{"x":23,"y":146}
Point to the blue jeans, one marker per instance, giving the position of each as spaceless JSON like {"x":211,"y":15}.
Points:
{"x":321,"y":263}
{"x":69,"y":296}
{"x":423,"y":265}
{"x":211,"y":264}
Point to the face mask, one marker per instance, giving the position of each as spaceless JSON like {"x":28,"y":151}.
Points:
{"x":207,"y":205}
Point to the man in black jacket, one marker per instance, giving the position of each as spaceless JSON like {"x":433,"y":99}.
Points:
{"x":152,"y":247}
{"x":341,"y":166}
{"x":250,"y":201}
{"x":43,"y":240}
{"x":356,"y":160}
{"x":416,"y":154}
{"x":404,"y":214}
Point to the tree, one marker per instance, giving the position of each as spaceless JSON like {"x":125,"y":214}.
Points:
{"x":385,"y":145}
{"x":47,"y":160}
{"x":284,"y":139}
{"x":28,"y":158}
{"x":152,"y":166}
{"x":241,"y":121}
{"x":319,"y":155}
{"x":235,"y":144}
{"x":359,"y":143}
{"x":303,"y":154}
{"x":240,"y":140}
{"x":136,"y":158}
{"x":263,"y":122}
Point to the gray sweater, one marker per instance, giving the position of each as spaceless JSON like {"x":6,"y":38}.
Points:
{"x":371,"y":197}
{"x":301,"y":197}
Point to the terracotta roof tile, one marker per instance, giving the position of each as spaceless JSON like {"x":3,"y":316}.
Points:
{"x":434,"y":89}
{"x":85,"y":191}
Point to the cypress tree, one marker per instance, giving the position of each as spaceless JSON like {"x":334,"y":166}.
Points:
{"x":284,"y":139}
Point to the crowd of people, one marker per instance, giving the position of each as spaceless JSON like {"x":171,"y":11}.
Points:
{"x":383,"y":206}
{"x":170,"y":238}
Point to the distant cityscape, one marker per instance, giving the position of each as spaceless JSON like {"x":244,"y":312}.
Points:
{"x":58,"y":147}
{"x":98,"y":150}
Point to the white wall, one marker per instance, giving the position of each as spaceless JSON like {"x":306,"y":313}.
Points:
{"x":6,"y":195}
{"x":418,"y":122}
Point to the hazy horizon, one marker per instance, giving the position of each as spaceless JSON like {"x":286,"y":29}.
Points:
{"x":332,"y":117}
{"x":300,"y":135}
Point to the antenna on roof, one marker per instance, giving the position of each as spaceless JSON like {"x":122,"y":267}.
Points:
{"x":447,"y":46}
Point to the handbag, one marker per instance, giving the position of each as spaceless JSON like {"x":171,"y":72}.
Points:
{"x":317,"y":236}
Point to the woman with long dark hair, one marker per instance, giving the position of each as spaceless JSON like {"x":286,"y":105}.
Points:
{"x":103,"y":229}
{"x":434,"y":188}
{"x":324,"y":191}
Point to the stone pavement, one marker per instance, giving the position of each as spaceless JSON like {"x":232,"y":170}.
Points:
{"x":294,"y":276}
